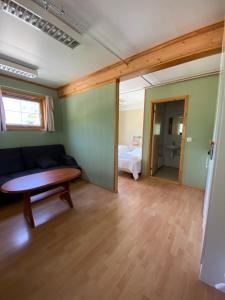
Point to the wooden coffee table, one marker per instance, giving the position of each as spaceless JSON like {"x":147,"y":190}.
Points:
{"x":40,"y":186}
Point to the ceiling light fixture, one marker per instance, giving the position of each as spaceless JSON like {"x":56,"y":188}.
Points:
{"x":28,"y":16}
{"x":17,"y":69}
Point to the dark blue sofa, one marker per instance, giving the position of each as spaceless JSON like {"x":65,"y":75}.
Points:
{"x":17,"y":162}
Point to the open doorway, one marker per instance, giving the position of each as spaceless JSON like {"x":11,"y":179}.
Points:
{"x":168,"y":138}
{"x":131,"y":114}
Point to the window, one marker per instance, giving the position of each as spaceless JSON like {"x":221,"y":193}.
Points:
{"x":23,"y":111}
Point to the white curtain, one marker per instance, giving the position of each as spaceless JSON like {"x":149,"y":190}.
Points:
{"x":2,"y":115}
{"x":49,"y":121}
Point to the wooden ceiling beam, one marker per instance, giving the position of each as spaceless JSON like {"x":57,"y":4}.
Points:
{"x":196,"y":44}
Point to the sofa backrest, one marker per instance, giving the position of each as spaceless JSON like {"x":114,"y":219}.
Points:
{"x":30,"y":154}
{"x":14,"y":160}
{"x":11,"y":161}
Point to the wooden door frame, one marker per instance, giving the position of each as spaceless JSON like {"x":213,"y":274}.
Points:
{"x":116,"y":136}
{"x":165,"y":100}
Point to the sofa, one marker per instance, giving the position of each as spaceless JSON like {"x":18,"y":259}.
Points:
{"x":17,"y":162}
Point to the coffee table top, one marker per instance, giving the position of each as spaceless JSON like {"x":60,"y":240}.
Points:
{"x":40,"y":180}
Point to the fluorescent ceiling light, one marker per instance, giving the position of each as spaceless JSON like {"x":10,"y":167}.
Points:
{"x":8,"y":66}
{"x":20,"y":12}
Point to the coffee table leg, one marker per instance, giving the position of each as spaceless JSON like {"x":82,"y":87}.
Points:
{"x":66,"y":194}
{"x":27,"y":210}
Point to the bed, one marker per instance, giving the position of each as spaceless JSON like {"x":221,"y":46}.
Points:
{"x":129,"y":160}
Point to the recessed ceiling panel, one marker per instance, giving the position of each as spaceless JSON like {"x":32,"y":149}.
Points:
{"x":136,"y":83}
{"x":193,"y":68}
{"x":199,"y":67}
{"x":132,"y":100}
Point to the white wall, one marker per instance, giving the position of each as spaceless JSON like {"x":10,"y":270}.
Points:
{"x":130,"y":124}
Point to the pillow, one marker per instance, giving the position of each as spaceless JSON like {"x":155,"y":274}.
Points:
{"x":122,"y":148}
{"x":46,"y":162}
{"x":131,"y":148}
{"x":69,"y":161}
{"x":137,"y":152}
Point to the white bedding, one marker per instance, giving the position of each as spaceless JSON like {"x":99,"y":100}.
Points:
{"x":129,"y":160}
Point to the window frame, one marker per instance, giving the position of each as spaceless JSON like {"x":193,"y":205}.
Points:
{"x":28,"y":97}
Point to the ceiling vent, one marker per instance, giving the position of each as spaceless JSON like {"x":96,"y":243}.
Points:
{"x":26,"y":15}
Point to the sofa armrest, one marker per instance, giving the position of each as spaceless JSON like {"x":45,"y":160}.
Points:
{"x":70,"y":161}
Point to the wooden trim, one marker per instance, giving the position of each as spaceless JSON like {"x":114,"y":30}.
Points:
{"x":116,"y":140}
{"x":151,"y":138}
{"x":183,"y":139}
{"x":177,"y":183}
{"x":149,"y":135}
{"x":24,"y":128}
{"x":196,"y":44}
{"x":88,"y":88}
{"x":20,"y":94}
{"x":165,"y":100}
{"x":28,"y":97}
{"x":143,"y":129}
{"x":193,"y":188}
{"x":170,"y":99}
{"x":30,"y":82}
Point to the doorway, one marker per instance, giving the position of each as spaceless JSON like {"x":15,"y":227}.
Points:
{"x":130,"y":132}
{"x":167,"y":138}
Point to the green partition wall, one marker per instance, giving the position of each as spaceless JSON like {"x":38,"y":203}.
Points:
{"x":31,"y":138}
{"x":200,"y":122}
{"x":86,"y":124}
{"x":89,"y":132}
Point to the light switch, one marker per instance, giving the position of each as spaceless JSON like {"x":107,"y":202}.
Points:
{"x":189,"y":139}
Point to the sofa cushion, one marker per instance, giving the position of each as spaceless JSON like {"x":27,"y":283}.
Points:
{"x":46,"y":162}
{"x":61,"y":166}
{"x":31,"y":154}
{"x":10,"y":161}
{"x":69,"y":161}
{"x":20,"y":174}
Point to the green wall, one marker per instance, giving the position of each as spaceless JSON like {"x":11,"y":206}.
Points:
{"x":200,"y":122}
{"x":85,"y":124}
{"x":28,"y":138}
{"x":89,"y":132}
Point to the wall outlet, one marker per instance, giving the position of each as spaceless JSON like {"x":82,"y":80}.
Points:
{"x":189,"y":139}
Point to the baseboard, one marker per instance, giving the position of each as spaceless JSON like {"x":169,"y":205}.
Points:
{"x":150,"y":177}
{"x":194,"y":188}
{"x":103,"y":187}
{"x":174,"y":182}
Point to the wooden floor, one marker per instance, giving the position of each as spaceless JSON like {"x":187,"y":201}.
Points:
{"x":143,"y":243}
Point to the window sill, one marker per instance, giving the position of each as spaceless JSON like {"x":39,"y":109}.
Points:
{"x":25,"y":128}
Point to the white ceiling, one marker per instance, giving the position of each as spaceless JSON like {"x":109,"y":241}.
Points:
{"x":132,"y":100}
{"x":193,"y":68}
{"x":132,"y":91}
{"x":127,"y":27}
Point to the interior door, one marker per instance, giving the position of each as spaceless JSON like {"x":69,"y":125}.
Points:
{"x":211,"y":159}
{"x":155,"y":139}
{"x":209,"y":179}
{"x":213,"y":252}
